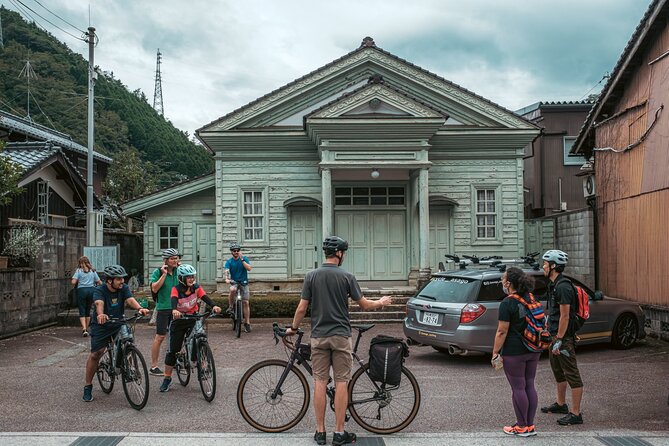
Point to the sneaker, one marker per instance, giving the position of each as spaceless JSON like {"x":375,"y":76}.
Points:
{"x":156,"y":371}
{"x":247,"y":328}
{"x":88,"y":393}
{"x":165,"y":386}
{"x":319,"y":438}
{"x":531,"y":432}
{"x":345,"y":438}
{"x":556,"y":408}
{"x":570,"y":419}
{"x":84,"y":333}
{"x":515,"y":430}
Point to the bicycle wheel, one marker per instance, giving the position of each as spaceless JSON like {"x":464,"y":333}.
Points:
{"x":254,"y":396}
{"x":182,"y":367}
{"x":135,"y":377}
{"x":206,"y":370}
{"x":105,"y":372}
{"x":238,"y":318}
{"x":387,"y":410}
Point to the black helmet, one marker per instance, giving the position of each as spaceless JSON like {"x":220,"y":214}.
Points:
{"x":234,"y":245}
{"x":333,"y":244}
{"x":114,"y":271}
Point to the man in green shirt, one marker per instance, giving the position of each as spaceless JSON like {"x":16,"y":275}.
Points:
{"x":162,"y":281}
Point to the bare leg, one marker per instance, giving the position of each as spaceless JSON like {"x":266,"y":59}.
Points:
{"x":82,"y":321}
{"x":168,"y":371}
{"x":341,"y":401}
{"x":576,"y":396}
{"x":92,"y":365}
{"x":320,"y":388}
{"x":562,"y":392}
{"x":246,"y":309}
{"x":155,"y":349}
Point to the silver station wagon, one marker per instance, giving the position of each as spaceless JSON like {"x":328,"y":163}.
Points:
{"x":456,"y":312}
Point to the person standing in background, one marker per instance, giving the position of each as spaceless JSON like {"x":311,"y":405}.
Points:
{"x":85,"y":279}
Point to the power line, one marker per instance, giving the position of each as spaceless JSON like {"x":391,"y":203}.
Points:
{"x":606,"y":76}
{"x":53,"y":13}
{"x":47,"y":20}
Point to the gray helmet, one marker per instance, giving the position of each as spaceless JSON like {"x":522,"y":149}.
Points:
{"x":170,"y":252}
{"x":114,"y":271}
{"x":333,"y":244}
{"x":234,"y":245}
{"x":556,"y":256}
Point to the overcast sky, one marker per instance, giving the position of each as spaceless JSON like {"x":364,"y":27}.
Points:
{"x":221,"y":54}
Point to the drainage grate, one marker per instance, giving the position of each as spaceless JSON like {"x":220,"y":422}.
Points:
{"x":623,"y":441}
{"x":97,"y":441}
{"x":370,"y":441}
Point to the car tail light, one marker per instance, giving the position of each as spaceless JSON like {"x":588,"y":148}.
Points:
{"x":471,"y":312}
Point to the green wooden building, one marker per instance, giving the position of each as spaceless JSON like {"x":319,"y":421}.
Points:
{"x":402,"y":163}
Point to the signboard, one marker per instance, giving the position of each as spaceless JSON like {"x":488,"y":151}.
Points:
{"x":102,"y":256}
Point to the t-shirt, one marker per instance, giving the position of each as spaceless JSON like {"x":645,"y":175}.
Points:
{"x":85,"y":279}
{"x":187,"y":302}
{"x":509,"y":311}
{"x":562,"y":294}
{"x":237,"y":271}
{"x":327,"y":289}
{"x":164,"y":293}
{"x":114,"y":301}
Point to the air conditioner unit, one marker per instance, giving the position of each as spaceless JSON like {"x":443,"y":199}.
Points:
{"x":589,"y":186}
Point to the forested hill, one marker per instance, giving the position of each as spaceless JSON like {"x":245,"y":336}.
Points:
{"x":124,"y":120}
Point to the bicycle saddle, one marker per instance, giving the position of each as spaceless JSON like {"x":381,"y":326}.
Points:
{"x":362,"y":328}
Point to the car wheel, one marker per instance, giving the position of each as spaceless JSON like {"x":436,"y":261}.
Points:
{"x":625,"y":332}
{"x":443,"y":350}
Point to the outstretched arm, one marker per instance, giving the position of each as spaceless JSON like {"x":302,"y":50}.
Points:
{"x":367,"y":304}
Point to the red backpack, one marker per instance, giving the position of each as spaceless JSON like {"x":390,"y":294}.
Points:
{"x":582,"y":304}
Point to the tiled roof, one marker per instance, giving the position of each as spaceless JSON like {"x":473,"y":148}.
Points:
{"x":20,"y":125}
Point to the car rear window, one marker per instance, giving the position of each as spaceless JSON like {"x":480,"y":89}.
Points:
{"x":449,"y":289}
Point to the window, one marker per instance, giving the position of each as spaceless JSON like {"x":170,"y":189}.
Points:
{"x":568,"y":142}
{"x":82,"y":164}
{"x":253,"y":215}
{"x":168,"y":237}
{"x":486,"y":214}
{"x":369,"y":196}
{"x":491,"y":291}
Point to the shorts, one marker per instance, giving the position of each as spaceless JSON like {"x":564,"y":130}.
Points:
{"x":102,"y":334}
{"x":335,"y":352}
{"x":246,"y":294}
{"x":564,"y":367}
{"x":163,"y":318}
{"x":85,"y":300}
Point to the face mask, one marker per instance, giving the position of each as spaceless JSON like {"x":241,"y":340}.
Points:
{"x":505,"y":289}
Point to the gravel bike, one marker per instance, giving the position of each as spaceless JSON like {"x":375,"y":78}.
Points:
{"x":196,"y":348}
{"x":273,"y":395}
{"x":237,"y":314}
{"x":122,"y":359}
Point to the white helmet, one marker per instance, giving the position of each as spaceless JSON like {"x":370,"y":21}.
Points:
{"x":556,"y":256}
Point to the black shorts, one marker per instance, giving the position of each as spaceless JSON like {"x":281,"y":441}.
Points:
{"x":163,"y":318}
{"x":101,"y":334}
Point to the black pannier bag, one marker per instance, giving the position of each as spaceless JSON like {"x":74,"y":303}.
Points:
{"x":386,"y":356}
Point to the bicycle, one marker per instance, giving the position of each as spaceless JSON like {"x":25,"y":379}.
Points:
{"x":196,"y":347}
{"x":237,"y":310}
{"x":123,"y":359}
{"x":273,"y":395}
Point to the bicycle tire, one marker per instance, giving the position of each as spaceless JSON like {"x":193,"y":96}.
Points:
{"x":206,"y":370}
{"x":135,"y":377}
{"x":255,"y":404}
{"x":401,"y":403}
{"x":182,"y":367}
{"x":105,"y":372}
{"x":238,"y":318}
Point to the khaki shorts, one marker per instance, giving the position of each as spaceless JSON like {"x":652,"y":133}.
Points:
{"x":335,"y":352}
{"x":564,"y":367}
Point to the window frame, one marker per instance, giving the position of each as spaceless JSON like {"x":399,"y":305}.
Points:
{"x":241,"y":233}
{"x":179,"y":238}
{"x":497,"y":239}
{"x":567,"y":160}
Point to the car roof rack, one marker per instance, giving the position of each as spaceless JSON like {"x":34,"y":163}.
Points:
{"x":494,"y":261}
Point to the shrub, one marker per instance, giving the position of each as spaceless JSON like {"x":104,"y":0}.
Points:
{"x":23,"y":244}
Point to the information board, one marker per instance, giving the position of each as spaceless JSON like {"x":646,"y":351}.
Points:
{"x":102,"y":256}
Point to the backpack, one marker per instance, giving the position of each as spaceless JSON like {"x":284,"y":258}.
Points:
{"x":582,"y":305}
{"x":386,"y":356}
{"x":535,"y":336}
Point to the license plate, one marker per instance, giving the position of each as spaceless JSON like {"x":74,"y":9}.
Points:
{"x":430,"y":318}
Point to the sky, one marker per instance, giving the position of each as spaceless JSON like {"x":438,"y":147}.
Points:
{"x":218,"y":55}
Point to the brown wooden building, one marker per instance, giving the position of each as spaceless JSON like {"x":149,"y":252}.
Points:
{"x":627,"y":131}
{"x":550,"y":181}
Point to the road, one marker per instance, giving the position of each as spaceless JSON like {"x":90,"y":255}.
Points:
{"x":41,"y":380}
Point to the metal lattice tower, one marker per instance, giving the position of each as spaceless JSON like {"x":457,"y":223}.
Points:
{"x":158,"y":89}
{"x":28,"y":73}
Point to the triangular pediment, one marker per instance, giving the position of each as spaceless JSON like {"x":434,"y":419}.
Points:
{"x":427,"y":94}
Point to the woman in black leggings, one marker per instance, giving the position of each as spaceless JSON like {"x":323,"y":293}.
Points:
{"x":520,"y":364}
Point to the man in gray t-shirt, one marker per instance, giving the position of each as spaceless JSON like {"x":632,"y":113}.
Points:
{"x":328,"y":289}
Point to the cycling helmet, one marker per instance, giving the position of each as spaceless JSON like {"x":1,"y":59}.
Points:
{"x":333,"y":244}
{"x":170,"y":252}
{"x":556,"y":256}
{"x":114,"y":271}
{"x":185,"y":270}
{"x":234,"y":245}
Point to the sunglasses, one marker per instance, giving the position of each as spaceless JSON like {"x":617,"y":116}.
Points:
{"x":234,"y":250}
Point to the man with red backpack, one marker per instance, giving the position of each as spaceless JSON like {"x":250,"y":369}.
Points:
{"x":562,"y":310}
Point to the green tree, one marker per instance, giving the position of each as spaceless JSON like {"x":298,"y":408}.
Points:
{"x":10,"y":173}
{"x":129,"y":177}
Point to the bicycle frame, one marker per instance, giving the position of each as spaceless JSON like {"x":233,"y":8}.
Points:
{"x":117,"y":342}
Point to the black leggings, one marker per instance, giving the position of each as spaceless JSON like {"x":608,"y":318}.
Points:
{"x":179,"y":328}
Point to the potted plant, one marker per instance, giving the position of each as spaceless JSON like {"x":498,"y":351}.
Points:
{"x":23,"y":244}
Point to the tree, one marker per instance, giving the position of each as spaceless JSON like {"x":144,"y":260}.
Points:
{"x":10,"y":173}
{"x":129,"y":177}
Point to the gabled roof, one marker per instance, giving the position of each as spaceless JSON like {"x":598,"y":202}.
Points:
{"x":14,"y":123}
{"x":644,"y":35}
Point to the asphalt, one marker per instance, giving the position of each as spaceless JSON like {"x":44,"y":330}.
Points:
{"x":581,"y":437}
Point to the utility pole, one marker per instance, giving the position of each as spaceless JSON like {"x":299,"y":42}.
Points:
{"x":158,"y":89}
{"x":28,"y":73}
{"x":2,"y":43}
{"x":92,"y":76}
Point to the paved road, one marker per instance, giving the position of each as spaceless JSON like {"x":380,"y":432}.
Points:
{"x":41,"y":380}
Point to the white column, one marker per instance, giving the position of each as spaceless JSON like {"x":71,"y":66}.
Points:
{"x":424,"y":227}
{"x":326,"y":187}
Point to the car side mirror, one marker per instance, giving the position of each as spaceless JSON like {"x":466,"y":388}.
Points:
{"x":598,"y":295}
